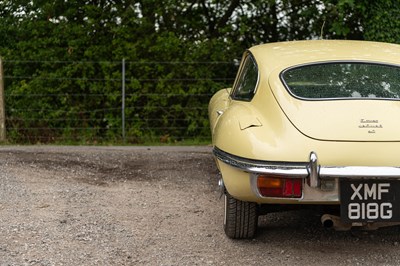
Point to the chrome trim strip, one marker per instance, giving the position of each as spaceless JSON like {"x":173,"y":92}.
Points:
{"x":306,"y":169}
{"x":263,"y":167}
{"x":360,"y":172}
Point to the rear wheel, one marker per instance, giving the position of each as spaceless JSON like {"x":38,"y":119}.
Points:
{"x":240,"y":218}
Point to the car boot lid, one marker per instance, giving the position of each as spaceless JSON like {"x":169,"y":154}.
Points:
{"x":340,"y":119}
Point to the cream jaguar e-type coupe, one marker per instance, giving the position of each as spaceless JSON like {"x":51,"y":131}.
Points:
{"x":311,"y":123}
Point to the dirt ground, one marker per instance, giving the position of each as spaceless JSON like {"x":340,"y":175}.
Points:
{"x":152,"y":206}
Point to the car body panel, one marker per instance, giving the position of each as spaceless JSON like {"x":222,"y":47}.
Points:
{"x":287,"y":54}
{"x":340,"y":119}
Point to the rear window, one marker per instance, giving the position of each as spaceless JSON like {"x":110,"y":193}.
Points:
{"x":343,"y":80}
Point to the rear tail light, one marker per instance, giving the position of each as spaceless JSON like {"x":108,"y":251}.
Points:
{"x":280,"y":187}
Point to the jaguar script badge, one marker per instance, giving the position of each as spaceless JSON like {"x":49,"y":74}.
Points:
{"x":370,"y":124}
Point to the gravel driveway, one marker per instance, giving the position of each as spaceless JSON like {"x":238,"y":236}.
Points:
{"x":152,"y":206}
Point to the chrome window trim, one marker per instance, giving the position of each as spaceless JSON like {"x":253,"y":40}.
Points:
{"x":239,"y":73}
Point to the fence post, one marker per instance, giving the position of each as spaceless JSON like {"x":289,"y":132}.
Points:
{"x":123,"y":101}
{"x":2,"y":107}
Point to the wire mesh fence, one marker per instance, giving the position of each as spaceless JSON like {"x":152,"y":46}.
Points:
{"x":110,"y":101}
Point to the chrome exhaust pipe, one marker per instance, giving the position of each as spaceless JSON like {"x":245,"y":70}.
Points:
{"x":333,"y":221}
{"x":327,"y":221}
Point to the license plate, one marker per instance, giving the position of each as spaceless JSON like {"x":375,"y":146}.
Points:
{"x":370,"y":200}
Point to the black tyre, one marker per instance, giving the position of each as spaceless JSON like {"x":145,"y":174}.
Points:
{"x":240,"y":218}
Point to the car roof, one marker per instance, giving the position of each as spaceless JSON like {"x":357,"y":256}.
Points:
{"x":281,"y":55}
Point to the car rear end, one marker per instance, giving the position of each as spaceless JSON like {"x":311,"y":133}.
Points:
{"x":328,"y":135}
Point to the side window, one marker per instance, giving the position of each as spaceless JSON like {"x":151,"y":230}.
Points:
{"x":246,"y":81}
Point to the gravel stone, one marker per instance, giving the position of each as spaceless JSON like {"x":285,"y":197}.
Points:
{"x":152,"y":206}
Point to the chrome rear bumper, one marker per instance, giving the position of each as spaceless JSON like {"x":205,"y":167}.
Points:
{"x":311,"y":170}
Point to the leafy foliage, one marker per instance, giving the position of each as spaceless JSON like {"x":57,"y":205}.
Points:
{"x":63,"y":58}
